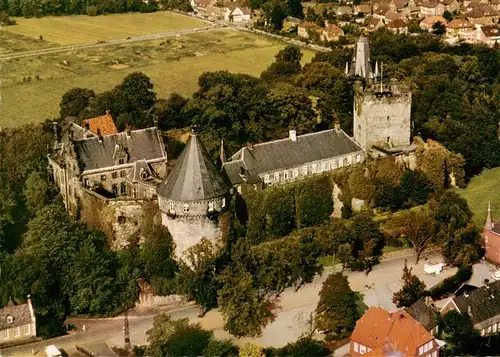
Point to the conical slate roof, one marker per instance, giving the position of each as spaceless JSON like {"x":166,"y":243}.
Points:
{"x":361,"y":63}
{"x":194,"y":177}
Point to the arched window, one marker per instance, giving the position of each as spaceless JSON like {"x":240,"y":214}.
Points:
{"x":185,"y":208}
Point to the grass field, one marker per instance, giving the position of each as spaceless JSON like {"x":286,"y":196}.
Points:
{"x":69,"y":30}
{"x":479,"y":191}
{"x":173,"y":66}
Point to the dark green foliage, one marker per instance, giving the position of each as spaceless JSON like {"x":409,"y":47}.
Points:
{"x":336,"y":311}
{"x":172,"y":113}
{"x":459,"y":333}
{"x":280,"y":212}
{"x":75,"y":101}
{"x":157,"y":252}
{"x":304,"y":346}
{"x":314,"y":201}
{"x":438,"y":28}
{"x":287,"y":65}
{"x":451,"y":284}
{"x":411,"y":291}
{"x":452,"y":211}
{"x":295,"y":8}
{"x":275,"y":11}
{"x":220,"y":348}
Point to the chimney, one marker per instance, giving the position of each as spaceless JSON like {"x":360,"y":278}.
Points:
{"x":32,"y":316}
{"x":250,"y":146}
{"x":108,"y":112}
{"x":99,"y":136}
{"x":336,"y":124}
{"x":293,"y":136}
{"x":222,"y":153}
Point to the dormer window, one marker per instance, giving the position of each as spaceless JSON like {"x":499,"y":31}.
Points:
{"x":210,"y":206}
{"x":172,"y":207}
{"x":185,"y":208}
{"x":121,"y":161}
{"x":10,"y":319}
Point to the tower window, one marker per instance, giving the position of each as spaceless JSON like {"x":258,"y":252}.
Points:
{"x":185,"y":208}
{"x":172,"y":206}
{"x":123,"y":173}
{"x":388,"y":139}
{"x":123,"y":188}
{"x":121,"y":161}
{"x":115,"y":190}
{"x":103,"y":177}
{"x":211,"y":205}
{"x":223,"y":201}
{"x":86,"y":182}
{"x":114,"y":175}
{"x":122,"y":219}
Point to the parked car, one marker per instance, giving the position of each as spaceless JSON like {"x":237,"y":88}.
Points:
{"x":496,"y":275}
{"x":52,"y":351}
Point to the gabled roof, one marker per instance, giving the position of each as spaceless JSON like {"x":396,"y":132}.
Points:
{"x":399,"y":4}
{"x":430,"y":4}
{"x":285,"y":154}
{"x":378,"y":328}
{"x":144,"y":144}
{"x":459,"y":24}
{"x":140,"y":172}
{"x":484,"y":302}
{"x":333,"y":29}
{"x":292,"y":19}
{"x":431,"y":20}
{"x":396,"y":24}
{"x":424,"y":314}
{"x":491,"y":31}
{"x":104,"y":124}
{"x":194,"y":176}
{"x":393,"y":15}
{"x":20,"y":315}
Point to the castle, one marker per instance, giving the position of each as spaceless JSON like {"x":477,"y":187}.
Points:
{"x":120,"y":175}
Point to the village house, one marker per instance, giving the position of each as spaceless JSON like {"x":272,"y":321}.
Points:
{"x":425,"y":312}
{"x":331,"y":32}
{"x":305,"y":29}
{"x":293,"y":158}
{"x":374,"y":24}
{"x":381,"y":333}
{"x":482,"y":14}
{"x":491,"y":234}
{"x":392,"y":16}
{"x":414,"y":8}
{"x":343,"y":10}
{"x":363,"y":8}
{"x":398,"y":26}
{"x":290,"y":23}
{"x":461,"y":29}
{"x":380,"y":11}
{"x":431,"y":8}
{"x":427,"y":23}
{"x":17,"y":323}
{"x":397,"y":5}
{"x":482,"y":305}
{"x":103,"y":124}
{"x":489,"y":35}
{"x":200,"y":6}
{"x":450,"y":5}
{"x":237,"y":14}
{"x":215,"y":12}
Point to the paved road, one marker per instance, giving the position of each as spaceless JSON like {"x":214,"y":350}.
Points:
{"x":155,"y":36}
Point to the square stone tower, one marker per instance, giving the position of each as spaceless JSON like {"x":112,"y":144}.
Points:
{"x":382,"y":114}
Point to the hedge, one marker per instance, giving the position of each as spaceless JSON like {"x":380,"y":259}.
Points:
{"x":449,"y":285}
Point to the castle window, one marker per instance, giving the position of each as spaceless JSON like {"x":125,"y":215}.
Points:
{"x":10,"y":319}
{"x":114,"y":175}
{"x":340,"y":163}
{"x":115,"y":190}
{"x":277,"y":177}
{"x":345,"y":161}
{"x":6,"y":334}
{"x":334,"y":164}
{"x":387,"y":117}
{"x":358,"y":158}
{"x":223,"y":201}
{"x":304,"y":171}
{"x":121,"y":161}
{"x":238,"y":188}
{"x":86,"y":182}
{"x":266,"y":179}
{"x":103,"y":177}
{"x":185,"y":208}
{"x":122,"y":219}
{"x":172,"y":206}
{"x":285,"y":175}
{"x":123,"y":173}
{"x":17,"y":332}
{"x":388,"y":139}
{"x":295,"y":173}
{"x":323,"y":167}
{"x":123,"y":188}
{"x":210,"y":206}
{"x":359,"y":126}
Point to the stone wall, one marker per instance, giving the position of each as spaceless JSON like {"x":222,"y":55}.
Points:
{"x":382,"y":119}
{"x":188,"y":231}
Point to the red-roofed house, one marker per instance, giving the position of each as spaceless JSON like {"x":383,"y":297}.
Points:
{"x":428,"y":22}
{"x":461,"y":29}
{"x":489,"y":35}
{"x":331,"y":32}
{"x":381,"y":333}
{"x":491,"y":234}
{"x":431,"y":8}
{"x":103,"y":125}
{"x":374,"y":24}
{"x":397,"y":26}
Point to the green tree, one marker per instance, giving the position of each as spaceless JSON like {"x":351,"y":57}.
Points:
{"x":295,"y":8}
{"x":7,"y":205}
{"x":75,"y":101}
{"x":438,"y":28}
{"x":251,"y":350}
{"x":158,"y":252}
{"x":336,"y":311}
{"x":420,"y":229}
{"x":460,"y":334}
{"x":220,"y":348}
{"x":448,"y":15}
{"x":38,"y":192}
{"x":304,"y":346}
{"x":275,"y":11}
{"x":287,"y":64}
{"x":172,"y":338}
{"x":411,"y":291}
{"x":172,"y":113}
{"x":452,"y":211}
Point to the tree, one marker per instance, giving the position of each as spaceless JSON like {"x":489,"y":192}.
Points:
{"x":38,"y":192}
{"x":275,"y":11}
{"x":438,"y":28}
{"x":304,"y":346}
{"x":171,"y":338}
{"x":286,"y":65}
{"x":245,"y":311}
{"x":157,"y":252}
{"x":7,"y":206}
{"x":420,"y":229}
{"x":336,"y":311}
{"x":171,"y":115}
{"x":460,"y":334}
{"x":251,"y":350}
{"x":295,"y":8}
{"x":75,"y":101}
{"x":411,"y":291}
{"x":452,"y":211}
{"x":448,"y":15}
{"x":220,"y":348}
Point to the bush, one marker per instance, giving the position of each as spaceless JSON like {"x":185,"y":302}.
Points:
{"x":451,"y":284}
{"x":280,"y":212}
{"x":314,"y":201}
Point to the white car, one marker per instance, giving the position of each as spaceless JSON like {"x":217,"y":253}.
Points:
{"x":496,"y":275}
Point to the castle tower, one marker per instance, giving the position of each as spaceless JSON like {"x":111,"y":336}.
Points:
{"x":361,"y":63}
{"x":192,"y":198}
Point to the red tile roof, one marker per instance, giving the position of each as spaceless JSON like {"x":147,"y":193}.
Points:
{"x":104,"y":123}
{"x":378,"y":328}
{"x":396,"y":24}
{"x":459,"y":24}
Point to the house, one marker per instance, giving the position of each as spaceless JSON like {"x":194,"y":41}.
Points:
{"x":428,"y":22}
{"x":104,"y":124}
{"x":397,"y":26}
{"x":305,"y":28}
{"x":450,"y":5}
{"x":293,"y":158}
{"x":482,"y":305}
{"x":374,"y":24}
{"x":424,"y":312}
{"x":215,"y":12}
{"x":290,"y":23}
{"x":489,"y":35}
{"x":397,"y":5}
{"x":414,"y":8}
{"x":381,"y":333}
{"x":380,"y":11}
{"x":393,"y":15}
{"x":202,"y":5}
{"x":363,"y":8}
{"x":431,"y":8}
{"x":343,"y":10}
{"x":17,"y":323}
{"x":482,"y":14}
{"x":461,"y":29}
{"x":491,"y":234}
{"x":237,"y":14}
{"x":331,"y":32}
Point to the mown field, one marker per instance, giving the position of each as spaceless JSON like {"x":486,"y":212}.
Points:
{"x":69,"y":30}
{"x":173,"y":65}
{"x":481,"y":189}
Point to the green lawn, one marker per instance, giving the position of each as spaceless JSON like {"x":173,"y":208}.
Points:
{"x":67,"y":30}
{"x":479,"y":191}
{"x":173,"y":66}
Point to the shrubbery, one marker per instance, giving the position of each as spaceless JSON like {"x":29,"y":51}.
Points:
{"x":449,"y":285}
